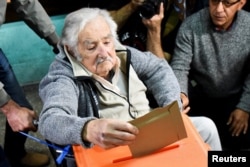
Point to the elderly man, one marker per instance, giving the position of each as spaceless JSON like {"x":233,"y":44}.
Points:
{"x":211,"y":61}
{"x":96,"y":85}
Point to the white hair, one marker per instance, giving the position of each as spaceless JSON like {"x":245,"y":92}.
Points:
{"x":77,"y":20}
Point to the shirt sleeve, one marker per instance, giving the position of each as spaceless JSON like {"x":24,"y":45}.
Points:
{"x":35,"y":16}
{"x":4,"y":97}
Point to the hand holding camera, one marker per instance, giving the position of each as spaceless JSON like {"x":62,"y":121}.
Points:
{"x":149,"y":8}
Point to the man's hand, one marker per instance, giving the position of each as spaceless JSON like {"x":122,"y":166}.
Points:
{"x":238,"y":122}
{"x":109,"y":133}
{"x":185,"y":103}
{"x":154,"y":23}
{"x":154,"y":33}
{"x":19,"y":118}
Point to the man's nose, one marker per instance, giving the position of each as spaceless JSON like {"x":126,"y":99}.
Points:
{"x":220,"y":7}
{"x":102,"y":51}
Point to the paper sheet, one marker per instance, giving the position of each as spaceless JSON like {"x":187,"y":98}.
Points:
{"x":157,"y":129}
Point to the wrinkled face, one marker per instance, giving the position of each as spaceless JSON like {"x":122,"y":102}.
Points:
{"x":223,"y":11}
{"x":96,"y":46}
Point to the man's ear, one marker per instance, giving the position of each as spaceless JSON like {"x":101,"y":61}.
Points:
{"x":241,"y":4}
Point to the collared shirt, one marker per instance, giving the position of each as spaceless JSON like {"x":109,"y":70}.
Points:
{"x":115,"y":100}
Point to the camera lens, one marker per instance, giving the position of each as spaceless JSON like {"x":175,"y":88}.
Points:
{"x":147,"y":10}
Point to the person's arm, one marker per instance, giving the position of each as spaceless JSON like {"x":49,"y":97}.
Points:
{"x":19,"y":118}
{"x":183,"y":55}
{"x":154,"y":36}
{"x":35,"y":16}
{"x":238,"y":120}
{"x":154,"y":33}
{"x":121,"y":15}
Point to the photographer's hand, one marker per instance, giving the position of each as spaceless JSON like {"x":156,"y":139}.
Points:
{"x":154,"y":23}
{"x":154,"y":33}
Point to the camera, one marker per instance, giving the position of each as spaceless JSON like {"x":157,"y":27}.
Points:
{"x":149,"y":8}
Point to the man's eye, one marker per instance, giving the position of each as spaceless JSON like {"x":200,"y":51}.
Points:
{"x":227,"y":3}
{"x":107,"y":42}
{"x":91,"y":47}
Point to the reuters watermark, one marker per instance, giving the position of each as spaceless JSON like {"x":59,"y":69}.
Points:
{"x":229,"y":159}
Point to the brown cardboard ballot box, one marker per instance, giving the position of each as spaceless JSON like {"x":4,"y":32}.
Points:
{"x":188,"y":152}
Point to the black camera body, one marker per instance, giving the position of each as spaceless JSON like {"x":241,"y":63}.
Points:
{"x":149,"y":8}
